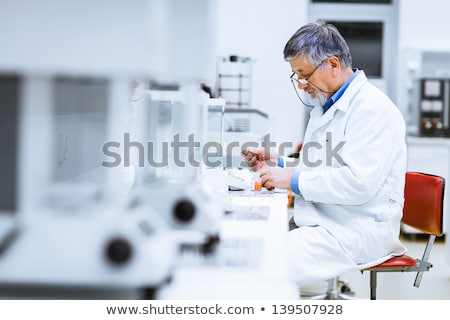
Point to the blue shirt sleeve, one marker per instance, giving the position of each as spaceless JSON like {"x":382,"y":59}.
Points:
{"x":294,"y":183}
{"x":280,"y":161}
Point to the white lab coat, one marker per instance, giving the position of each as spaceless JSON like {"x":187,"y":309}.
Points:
{"x":349,"y":211}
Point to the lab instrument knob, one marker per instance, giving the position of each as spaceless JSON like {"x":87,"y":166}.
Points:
{"x":119,"y":251}
{"x":184,"y":211}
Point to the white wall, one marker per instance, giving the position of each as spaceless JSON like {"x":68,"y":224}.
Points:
{"x":75,"y":37}
{"x":169,"y":40}
{"x":424,"y":24}
{"x":260,"y":29}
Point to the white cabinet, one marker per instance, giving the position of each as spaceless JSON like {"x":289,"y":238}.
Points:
{"x":431,"y":155}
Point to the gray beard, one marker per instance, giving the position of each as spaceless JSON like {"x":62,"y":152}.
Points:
{"x":318,"y":101}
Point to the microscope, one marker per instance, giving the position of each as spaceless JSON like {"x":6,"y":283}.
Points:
{"x":71,"y":227}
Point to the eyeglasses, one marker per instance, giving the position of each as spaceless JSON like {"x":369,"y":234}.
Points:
{"x":304,"y":81}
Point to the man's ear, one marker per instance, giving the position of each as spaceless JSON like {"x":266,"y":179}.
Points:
{"x":335,"y":65}
{"x":334,"y":62}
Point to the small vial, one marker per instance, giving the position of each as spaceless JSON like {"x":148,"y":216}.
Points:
{"x":256,"y":182}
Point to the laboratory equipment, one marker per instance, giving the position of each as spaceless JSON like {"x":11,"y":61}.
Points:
{"x":425,"y":78}
{"x":69,"y":215}
{"x":9,"y":184}
{"x":171,"y":123}
{"x":234,"y":75}
{"x":234,"y":129}
{"x":73,"y":225}
{"x":251,"y":259}
{"x":434,"y":106}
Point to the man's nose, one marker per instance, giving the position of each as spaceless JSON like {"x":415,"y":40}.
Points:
{"x":302,"y":86}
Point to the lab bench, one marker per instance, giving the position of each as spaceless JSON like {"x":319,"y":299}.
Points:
{"x":251,"y":260}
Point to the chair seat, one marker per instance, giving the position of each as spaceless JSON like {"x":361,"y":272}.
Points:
{"x":396,"y":262}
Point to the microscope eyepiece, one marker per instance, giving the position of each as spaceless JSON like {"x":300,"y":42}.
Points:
{"x":119,"y":251}
{"x":184,"y":211}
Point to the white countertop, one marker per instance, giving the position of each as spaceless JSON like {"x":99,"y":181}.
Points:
{"x":251,"y":262}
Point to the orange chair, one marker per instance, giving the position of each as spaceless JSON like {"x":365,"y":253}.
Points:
{"x":423,"y":210}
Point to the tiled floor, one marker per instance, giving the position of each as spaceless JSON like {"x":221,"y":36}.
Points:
{"x":435,"y":284}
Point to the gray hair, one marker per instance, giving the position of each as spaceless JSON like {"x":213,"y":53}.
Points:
{"x":318,"y":41}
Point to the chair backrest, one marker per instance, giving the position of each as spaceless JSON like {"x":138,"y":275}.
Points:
{"x":424,"y":200}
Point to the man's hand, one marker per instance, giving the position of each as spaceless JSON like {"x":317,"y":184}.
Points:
{"x":258,"y":158}
{"x":276,"y":177}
